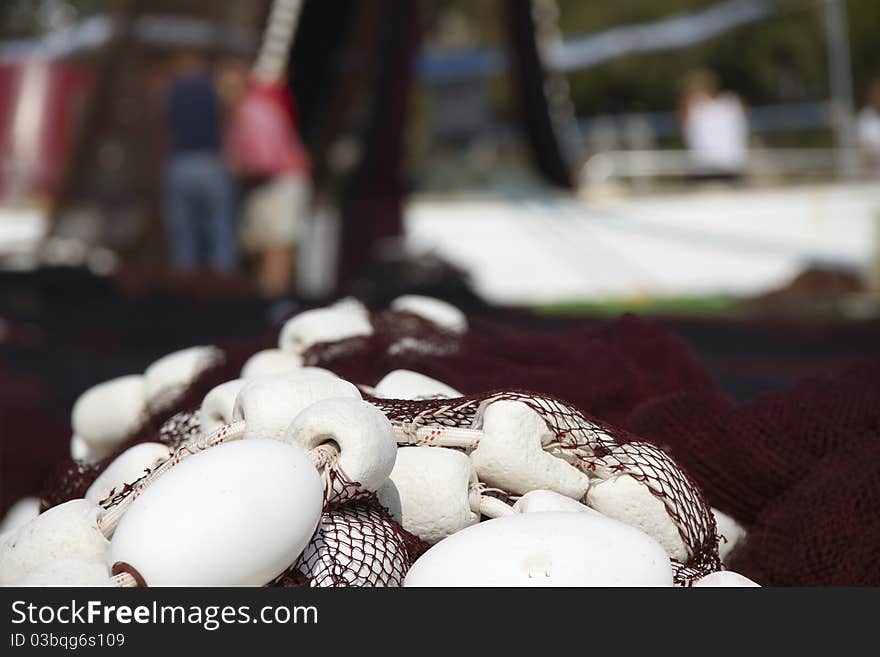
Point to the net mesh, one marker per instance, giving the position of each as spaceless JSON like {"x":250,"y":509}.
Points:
{"x":797,"y":468}
{"x":71,"y":479}
{"x":357,"y":544}
{"x":605,"y":368}
{"x":593,"y":446}
{"x":824,"y":530}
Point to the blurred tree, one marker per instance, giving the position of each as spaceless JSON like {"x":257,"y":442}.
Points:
{"x":780,"y":59}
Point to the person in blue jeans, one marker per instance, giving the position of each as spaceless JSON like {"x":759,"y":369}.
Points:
{"x":199,"y":190}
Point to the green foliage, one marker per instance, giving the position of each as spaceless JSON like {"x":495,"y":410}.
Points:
{"x":781,"y":59}
{"x":748,"y":59}
{"x":668,"y":306}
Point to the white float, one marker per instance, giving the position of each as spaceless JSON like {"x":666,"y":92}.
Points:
{"x":271,"y":362}
{"x":406,"y":384}
{"x":68,"y":572}
{"x":168,"y":377}
{"x":625,"y":499}
{"x":544,"y":501}
{"x":19,"y":514}
{"x":108,"y":413}
{"x":544,"y":549}
{"x":268,"y":405}
{"x":723,"y":579}
{"x":358,"y":431}
{"x":238,"y":514}
{"x":431,"y":492}
{"x":510,"y":454}
{"x":344,"y":319}
{"x":69,"y":530}
{"x":218,"y":405}
{"x":730,"y":532}
{"x":80,"y":451}
{"x":127,"y":468}
{"x":436,"y":311}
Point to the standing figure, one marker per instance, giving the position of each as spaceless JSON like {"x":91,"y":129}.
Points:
{"x":868,"y":128}
{"x":199,"y":192}
{"x":266,"y":153}
{"x":715,"y":128}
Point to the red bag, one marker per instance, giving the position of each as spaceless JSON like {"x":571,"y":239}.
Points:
{"x":262,"y":140}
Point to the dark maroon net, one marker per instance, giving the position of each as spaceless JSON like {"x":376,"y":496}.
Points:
{"x":797,"y":468}
{"x":606,"y":369}
{"x":824,"y":530}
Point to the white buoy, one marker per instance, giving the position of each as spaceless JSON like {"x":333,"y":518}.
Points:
{"x":218,"y":405}
{"x":69,"y":530}
{"x":271,"y":362}
{"x":237,"y":514}
{"x":436,"y":311}
{"x":623,"y":498}
{"x":108,"y":413}
{"x":127,"y":468}
{"x":363,"y":443}
{"x":544,"y":501}
{"x":80,"y":451}
{"x":344,"y":319}
{"x":511,"y":456}
{"x":168,"y":377}
{"x":269,"y":404}
{"x":406,"y":384}
{"x":430,"y":492}
{"x":19,"y":514}
{"x":725,"y":578}
{"x":544,"y":549}
{"x":68,"y":572}
{"x":730,"y":532}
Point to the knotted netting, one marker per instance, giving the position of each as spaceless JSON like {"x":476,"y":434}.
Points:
{"x":396,"y":335}
{"x":596,"y":448}
{"x":356,"y":544}
{"x":71,"y":478}
{"x":606,"y":368}
{"x":172,"y":422}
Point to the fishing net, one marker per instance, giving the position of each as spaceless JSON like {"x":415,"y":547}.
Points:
{"x":594,"y":447}
{"x":605,"y":368}
{"x":172,"y":423}
{"x":824,"y":530}
{"x":796,"y":468}
{"x":71,"y":478}
{"x":356,"y":544}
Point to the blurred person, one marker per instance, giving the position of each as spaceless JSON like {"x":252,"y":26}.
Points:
{"x":715,"y":128}
{"x":199,"y":191}
{"x":868,"y":127}
{"x":266,"y":153}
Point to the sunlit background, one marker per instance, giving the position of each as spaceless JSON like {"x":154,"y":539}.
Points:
{"x":563,"y":180}
{"x":507,"y":156}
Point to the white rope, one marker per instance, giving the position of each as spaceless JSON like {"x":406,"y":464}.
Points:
{"x":277,"y":38}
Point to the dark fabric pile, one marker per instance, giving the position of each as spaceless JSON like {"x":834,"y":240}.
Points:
{"x":800,"y":469}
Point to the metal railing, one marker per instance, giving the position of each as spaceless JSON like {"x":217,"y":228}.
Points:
{"x":645,"y":165}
